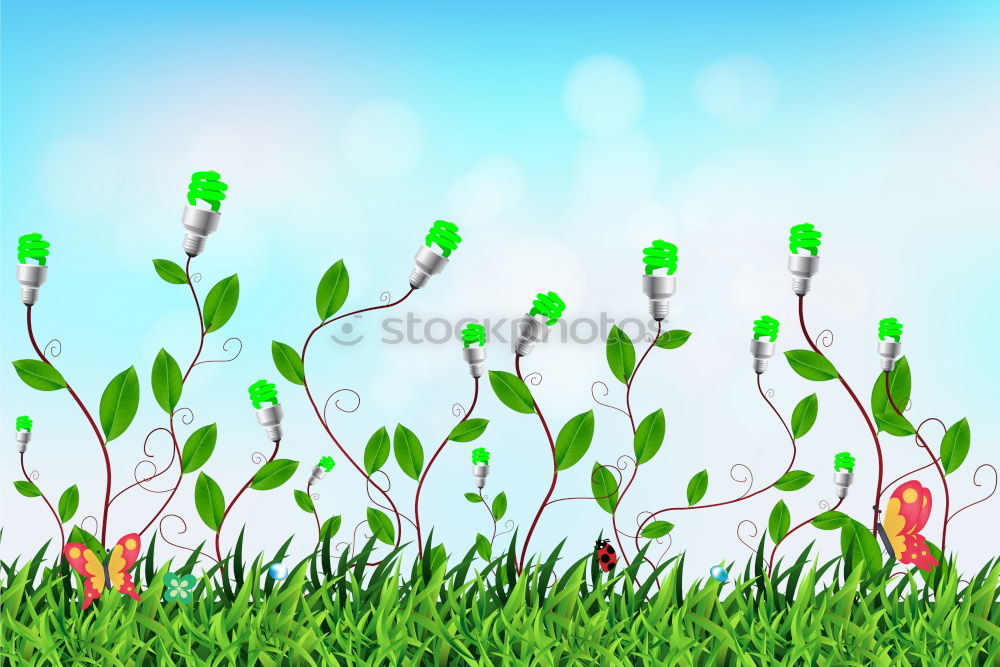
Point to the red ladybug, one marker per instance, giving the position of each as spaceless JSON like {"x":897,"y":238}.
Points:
{"x":606,"y":556}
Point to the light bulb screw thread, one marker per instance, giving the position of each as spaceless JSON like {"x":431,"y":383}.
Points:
{"x":475,"y":356}
{"x":429,"y":262}
{"x":198,"y":224}
{"x":22,"y":438}
{"x":31,"y":277}
{"x":762,"y":350}
{"x":480,"y":472}
{"x":270,"y":418}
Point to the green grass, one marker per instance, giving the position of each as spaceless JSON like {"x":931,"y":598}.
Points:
{"x":334,"y":610}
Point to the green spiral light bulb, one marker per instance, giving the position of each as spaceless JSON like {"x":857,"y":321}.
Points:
{"x":549,"y":306}
{"x":892,"y":329}
{"x":474,"y":334}
{"x":199,"y":222}
{"x":267,"y":416}
{"x":480,"y":466}
{"x":326,"y":463}
{"x":480,"y":456}
{"x":765,"y":327}
{"x":445,"y":236}
{"x":660,"y":255}
{"x":843,"y":473}
{"x":762,"y":350}
{"x":31,"y":276}
{"x":324,"y":466}
{"x":23,"y":433}
{"x":659,"y":288}
{"x":803,"y":266}
{"x":32,"y":246}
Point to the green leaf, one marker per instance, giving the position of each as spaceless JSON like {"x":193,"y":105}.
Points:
{"x":409,"y":453}
{"x":857,"y":539}
{"x":804,"y":415}
{"x":377,"y":450}
{"x":793,"y":480}
{"x":671,"y":340}
{"x":381,"y":525}
{"x":900,"y":383}
{"x":198,"y":448}
{"x":621,"y":354}
{"x":483,"y":547}
{"x":69,"y":501}
{"x":332,"y":291}
{"x":167,"y":381}
{"x":77,"y":534}
{"x":170,"y":271}
{"x":303,"y":500}
{"x":811,"y":365}
{"x":574,"y":440}
{"x":649,"y":436}
{"x":499,"y":506}
{"x":220,"y":304}
{"x":778,"y":522}
{"x":512,"y":392}
{"x":657,"y":529}
{"x":697,"y":487}
{"x":119,"y":403}
{"x":605,"y":488}
{"x":955,"y":445}
{"x":39,"y":375}
{"x":831,"y":520}
{"x":209,"y":501}
{"x":468,"y":430}
{"x":27,"y":489}
{"x":473,"y":497}
{"x":273,"y":474}
{"x":288,"y":362}
{"x":330,"y":527}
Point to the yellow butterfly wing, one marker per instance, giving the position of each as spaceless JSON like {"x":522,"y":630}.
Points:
{"x":116,"y":566}
{"x":894,"y":525}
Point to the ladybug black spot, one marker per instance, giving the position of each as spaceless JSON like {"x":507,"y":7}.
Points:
{"x":610,"y":549}
{"x":612,"y":566}
{"x":605,"y":558}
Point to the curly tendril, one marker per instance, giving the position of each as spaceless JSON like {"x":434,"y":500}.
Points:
{"x":187,"y":418}
{"x":747,"y":478}
{"x":805,"y":237}
{"x":336,"y":403}
{"x":92,"y":518}
{"x":159,"y":528}
{"x":534,"y":379}
{"x":445,"y":234}
{"x":824,"y":338}
{"x":457,"y":410}
{"x":225,"y":348}
{"x":753,"y":526}
{"x":206,"y":186}
{"x":53,"y":348}
{"x":257,"y":457}
{"x":548,"y":305}
{"x":196,"y":277}
{"x":34,"y":475}
{"x":975,"y":481}
{"x":660,"y":255}
{"x":593,"y":395}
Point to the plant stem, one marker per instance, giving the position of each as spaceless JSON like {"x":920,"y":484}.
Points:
{"x":420,"y":484}
{"x":861,"y":409}
{"x":55,"y":515}
{"x":180,"y":476}
{"x":201,"y":320}
{"x":93,"y":425}
{"x":555,"y":469}
{"x":492,"y":516}
{"x":935,"y":461}
{"x":770,"y":565}
{"x":218,"y":533}
{"x":319,"y":530}
{"x":631,"y":419}
{"x":326,"y":427}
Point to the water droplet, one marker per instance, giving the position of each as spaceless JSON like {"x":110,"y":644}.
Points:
{"x":719,"y":573}
{"x":277,"y":571}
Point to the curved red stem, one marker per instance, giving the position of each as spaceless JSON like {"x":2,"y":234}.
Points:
{"x":55,"y":515}
{"x":93,"y":425}
{"x":770,"y":564}
{"x":218,"y":533}
{"x":420,"y":484}
{"x":319,"y":530}
{"x":201,"y":320}
{"x":492,"y":517}
{"x":861,"y":409}
{"x":555,"y":469}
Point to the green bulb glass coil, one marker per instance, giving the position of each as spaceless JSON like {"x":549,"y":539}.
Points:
{"x":660,"y":255}
{"x":844,"y":461}
{"x":480,"y":456}
{"x":32,"y":246}
{"x":23,"y":423}
{"x":765,"y":327}
{"x":548,"y":305}
{"x":890,"y":327}
{"x":445,"y":234}
{"x":262,"y":392}
{"x":474,"y":333}
{"x":206,"y":186}
{"x":806,"y":237}
{"x":326,"y":463}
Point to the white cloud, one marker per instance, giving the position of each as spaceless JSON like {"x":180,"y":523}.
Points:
{"x":383,"y":139}
{"x":603,"y":94}
{"x":739,"y":90}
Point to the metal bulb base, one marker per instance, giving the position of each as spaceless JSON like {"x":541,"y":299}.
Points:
{"x":270,"y":418}
{"x":762,"y":350}
{"x":475,"y":356}
{"x":842,"y":480}
{"x":480,"y":472}
{"x":429,"y":263}
{"x":23,"y":438}
{"x":889,"y":351}
{"x":318,"y":473}
{"x":531,"y":329}
{"x":31,"y":277}
{"x":659,"y":289}
{"x":198,"y":224}
{"x":803,"y":267}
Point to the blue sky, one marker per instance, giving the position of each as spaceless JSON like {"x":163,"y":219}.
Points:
{"x":561,"y":140}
